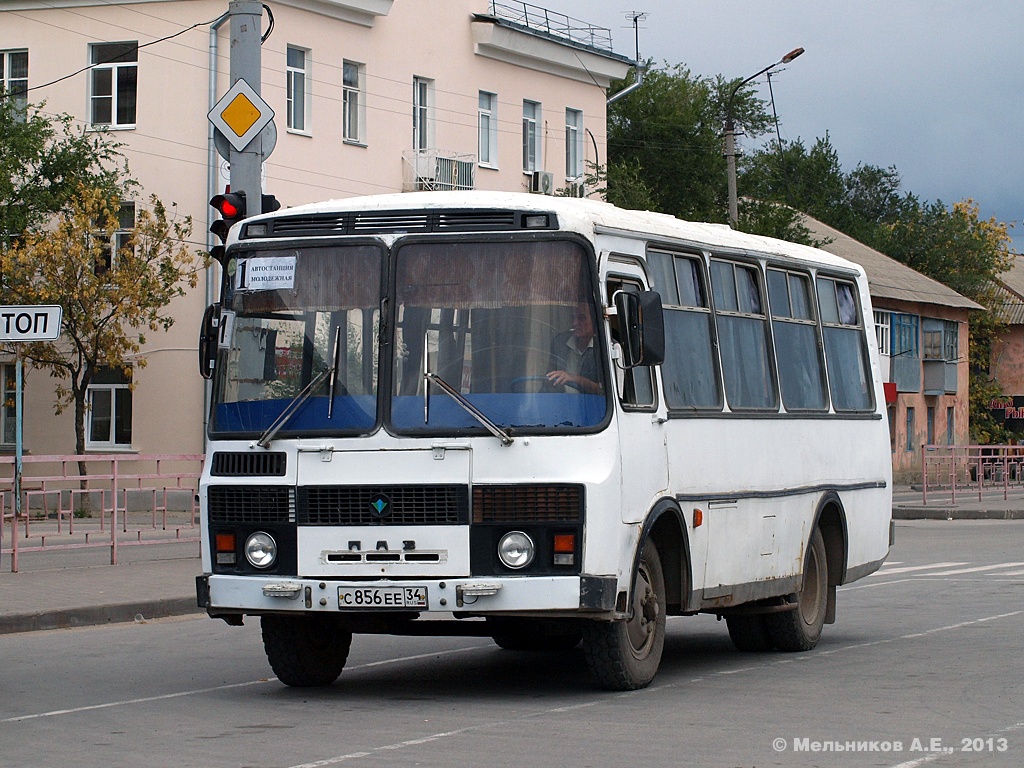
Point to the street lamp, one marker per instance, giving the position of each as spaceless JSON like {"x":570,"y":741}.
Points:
{"x":730,"y":133}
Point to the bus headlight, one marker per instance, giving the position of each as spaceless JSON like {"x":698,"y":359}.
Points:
{"x":516,"y":549}
{"x":261,"y":550}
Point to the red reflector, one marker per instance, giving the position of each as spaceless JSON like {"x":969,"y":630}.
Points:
{"x":225,"y":542}
{"x":565,"y":542}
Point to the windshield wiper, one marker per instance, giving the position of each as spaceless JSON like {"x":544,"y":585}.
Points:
{"x":454,"y":394}
{"x":296,"y":402}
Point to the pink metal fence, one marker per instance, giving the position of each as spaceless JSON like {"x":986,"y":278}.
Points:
{"x":980,"y":469}
{"x":121,"y":500}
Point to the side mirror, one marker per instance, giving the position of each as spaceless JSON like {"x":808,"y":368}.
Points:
{"x":642,"y":326}
{"x":209,"y":334}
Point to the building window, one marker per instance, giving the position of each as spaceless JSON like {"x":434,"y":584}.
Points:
{"x":883,"y":333}
{"x":422,"y":113}
{"x":950,"y":426}
{"x":353,"y":106}
{"x":487,"y":122}
{"x":298,"y":89}
{"x":531,"y":136}
{"x":120,"y":241}
{"x":115,"y":76}
{"x":573,"y":144}
{"x":905,"y":334}
{"x":9,"y":411}
{"x":14,"y":78}
{"x":931,"y":425}
{"x":950,"y":340}
{"x":910,"y":430}
{"x":109,"y":399}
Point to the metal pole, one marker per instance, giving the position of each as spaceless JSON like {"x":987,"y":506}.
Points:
{"x":246,"y":164}
{"x":730,"y":168}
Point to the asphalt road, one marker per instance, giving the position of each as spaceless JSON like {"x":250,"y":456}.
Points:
{"x":923,"y":663}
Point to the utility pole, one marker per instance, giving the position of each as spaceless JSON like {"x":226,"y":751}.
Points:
{"x":246,"y":164}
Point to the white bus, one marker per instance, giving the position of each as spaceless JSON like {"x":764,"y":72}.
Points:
{"x":543,"y":420}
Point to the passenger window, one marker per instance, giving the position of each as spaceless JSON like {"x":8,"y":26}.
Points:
{"x":635,"y":385}
{"x":690,"y":371}
{"x":743,"y":336}
{"x":846,"y":352}
{"x":797,"y":352}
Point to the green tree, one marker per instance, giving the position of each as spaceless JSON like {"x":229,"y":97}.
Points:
{"x":43,"y":160}
{"x":109,"y":300}
{"x":668,"y":133}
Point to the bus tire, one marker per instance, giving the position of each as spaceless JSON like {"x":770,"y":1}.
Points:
{"x":625,"y":655}
{"x":749,"y":632}
{"x":305,"y":651}
{"x":800,"y":629}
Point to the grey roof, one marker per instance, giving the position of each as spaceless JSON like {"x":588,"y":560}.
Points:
{"x":887,"y":278}
{"x":1010,"y":292}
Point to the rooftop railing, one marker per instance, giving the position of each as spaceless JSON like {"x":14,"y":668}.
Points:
{"x":539,"y":19}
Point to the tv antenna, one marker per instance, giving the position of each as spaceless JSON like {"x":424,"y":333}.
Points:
{"x":635,"y":18}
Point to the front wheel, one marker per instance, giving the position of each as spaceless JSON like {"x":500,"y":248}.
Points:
{"x":800,"y":628}
{"x":305,"y":651}
{"x":625,"y":655}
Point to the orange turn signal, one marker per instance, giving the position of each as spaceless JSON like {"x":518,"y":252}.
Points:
{"x":225,"y":542}
{"x":565,"y":542}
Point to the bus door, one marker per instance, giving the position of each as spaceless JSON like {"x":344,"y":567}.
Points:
{"x":643,"y":455}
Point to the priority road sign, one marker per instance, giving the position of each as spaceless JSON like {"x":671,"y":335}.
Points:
{"x":241,"y":114}
{"x":30,"y":323}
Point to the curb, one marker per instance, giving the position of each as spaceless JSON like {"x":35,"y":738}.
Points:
{"x":954,"y":513}
{"x":89,"y":616}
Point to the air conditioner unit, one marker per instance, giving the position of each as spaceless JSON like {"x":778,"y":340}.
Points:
{"x":542,"y":182}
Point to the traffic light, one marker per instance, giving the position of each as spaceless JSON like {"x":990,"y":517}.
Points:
{"x":269,"y":204}
{"x":231,"y":207}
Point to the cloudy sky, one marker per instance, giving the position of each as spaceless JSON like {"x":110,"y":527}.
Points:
{"x":933,"y":87}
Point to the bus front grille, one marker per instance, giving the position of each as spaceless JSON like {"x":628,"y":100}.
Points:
{"x":383,"y":505}
{"x":527,"y":503}
{"x":251,"y":504}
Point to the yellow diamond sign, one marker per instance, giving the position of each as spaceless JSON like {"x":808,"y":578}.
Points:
{"x":241,"y":115}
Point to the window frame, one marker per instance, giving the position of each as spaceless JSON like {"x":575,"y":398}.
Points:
{"x":787,"y":317}
{"x":112,"y":388}
{"x":8,"y":402}
{"x":487,"y":129}
{"x":830,"y":330}
{"x":121,"y":236}
{"x":353,"y":113}
{"x":18,"y":94}
{"x":296,"y":75}
{"x":422,"y":113}
{"x":130,"y":69}
{"x":532,"y":160}
{"x":574,"y":169}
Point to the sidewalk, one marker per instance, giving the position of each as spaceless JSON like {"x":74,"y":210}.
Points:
{"x":54,"y":590}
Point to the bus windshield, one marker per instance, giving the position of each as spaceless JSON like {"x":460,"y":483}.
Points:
{"x":292,"y":315}
{"x":511,"y":327}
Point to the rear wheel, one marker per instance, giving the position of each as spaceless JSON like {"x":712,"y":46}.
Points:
{"x":305,"y":651}
{"x":625,"y":655}
{"x":749,"y":632}
{"x":800,"y":629}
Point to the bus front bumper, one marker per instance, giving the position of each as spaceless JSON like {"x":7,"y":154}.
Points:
{"x":548,"y":595}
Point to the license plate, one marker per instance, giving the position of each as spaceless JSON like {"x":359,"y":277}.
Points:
{"x":364,"y":598}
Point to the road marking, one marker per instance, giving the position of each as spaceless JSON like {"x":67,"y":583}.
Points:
{"x":939,"y":755}
{"x":665,"y":686}
{"x":214,"y":689}
{"x":977,"y":569}
{"x":910,"y":568}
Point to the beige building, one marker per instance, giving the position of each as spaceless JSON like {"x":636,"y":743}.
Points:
{"x":370,"y":96}
{"x":921,"y":331}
